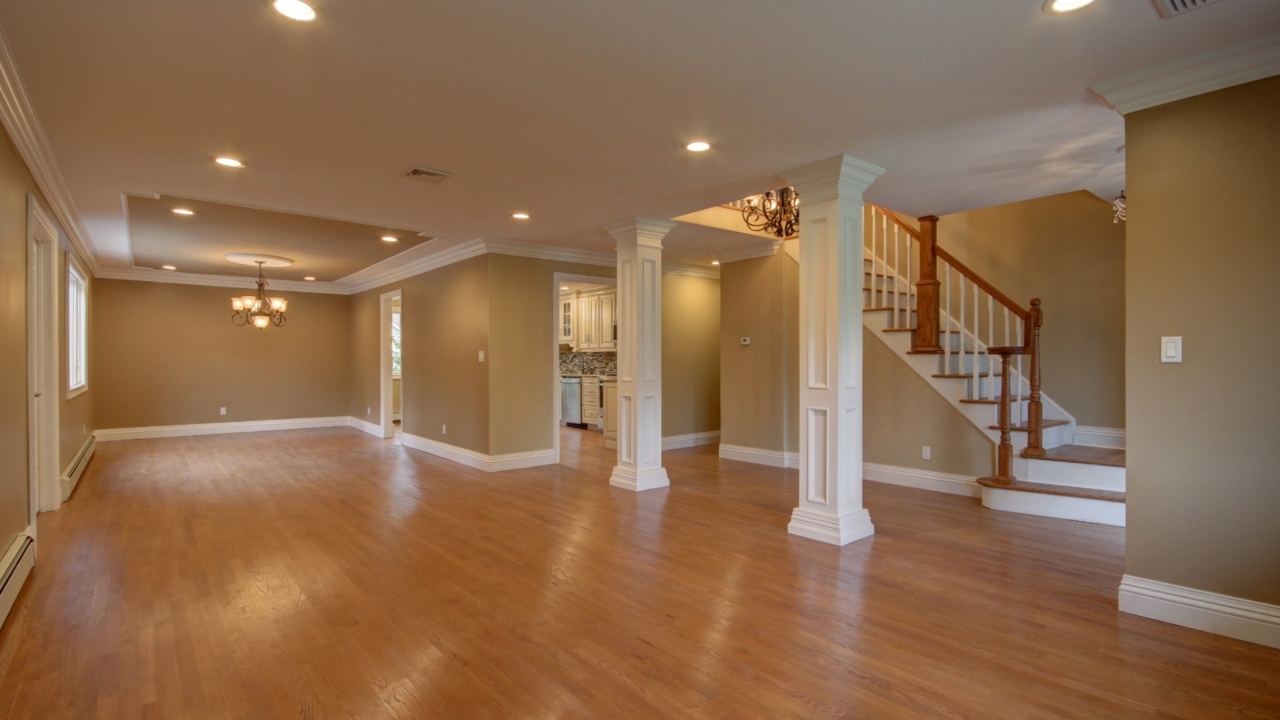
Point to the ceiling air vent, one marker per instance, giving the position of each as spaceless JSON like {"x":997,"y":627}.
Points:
{"x":427,"y":174}
{"x":1173,"y":8}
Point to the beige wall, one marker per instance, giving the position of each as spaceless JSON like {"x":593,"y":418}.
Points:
{"x":523,"y":388}
{"x":754,"y":400}
{"x":1203,"y":461}
{"x":168,"y":355}
{"x":15,"y":183}
{"x":75,"y":415}
{"x":444,"y":326}
{"x":1066,"y":250}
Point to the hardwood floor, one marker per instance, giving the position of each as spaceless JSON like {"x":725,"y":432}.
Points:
{"x":327,"y":574}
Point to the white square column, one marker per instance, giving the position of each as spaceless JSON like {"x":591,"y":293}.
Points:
{"x":639,"y":313}
{"x":831,"y":281}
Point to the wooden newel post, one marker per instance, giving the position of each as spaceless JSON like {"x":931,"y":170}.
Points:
{"x":925,"y":338}
{"x":1035,"y":408}
{"x":1004,"y":453}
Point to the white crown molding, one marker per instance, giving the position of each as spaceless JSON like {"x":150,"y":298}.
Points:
{"x":1194,"y":76}
{"x":227,"y":281}
{"x":758,"y":249}
{"x":1234,"y":617}
{"x":405,"y":266}
{"x":19,"y":118}
{"x":839,"y":176}
{"x":549,"y":252}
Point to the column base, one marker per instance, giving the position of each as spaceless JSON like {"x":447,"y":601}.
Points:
{"x":834,"y":530}
{"x":639,"y":480}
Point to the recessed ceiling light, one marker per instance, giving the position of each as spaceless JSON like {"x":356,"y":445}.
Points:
{"x":1057,"y":7}
{"x":295,"y":10}
{"x":715,"y":262}
{"x":168,"y":267}
{"x":228,"y":162}
{"x":309,"y":278}
{"x":390,"y":238}
{"x":520,"y":216}
{"x":698,"y":146}
{"x":183,"y":211}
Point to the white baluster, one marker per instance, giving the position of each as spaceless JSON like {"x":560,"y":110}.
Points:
{"x":896,"y":267}
{"x":963,"y":352}
{"x":1022,"y":420}
{"x":977,"y":328}
{"x":884,"y":261}
{"x":946,"y":326}
{"x":991,"y":340}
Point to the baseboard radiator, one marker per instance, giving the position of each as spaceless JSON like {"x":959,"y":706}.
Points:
{"x":75,"y":469}
{"x":17,"y":566}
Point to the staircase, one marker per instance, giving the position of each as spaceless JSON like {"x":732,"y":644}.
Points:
{"x":981,"y":351}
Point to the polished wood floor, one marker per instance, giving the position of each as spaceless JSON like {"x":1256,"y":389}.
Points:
{"x":327,"y":574}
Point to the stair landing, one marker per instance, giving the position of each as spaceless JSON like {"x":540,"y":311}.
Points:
{"x":1086,"y":455}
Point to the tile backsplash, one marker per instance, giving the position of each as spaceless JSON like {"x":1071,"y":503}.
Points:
{"x":593,"y":363}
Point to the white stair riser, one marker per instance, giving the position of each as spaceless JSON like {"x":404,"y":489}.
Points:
{"x":1081,"y":475}
{"x":1103,"y":512}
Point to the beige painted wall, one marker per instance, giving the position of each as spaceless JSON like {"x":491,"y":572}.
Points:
{"x":522,"y":314}
{"x":1066,"y":250}
{"x":169,"y":355}
{"x":1203,"y":461}
{"x":75,"y":416}
{"x":754,"y":401}
{"x":15,"y":184}
{"x":444,"y":326}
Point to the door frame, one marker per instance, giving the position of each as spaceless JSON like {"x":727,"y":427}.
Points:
{"x":43,"y":361}
{"x":385,"y":420}
{"x":556,"y":279}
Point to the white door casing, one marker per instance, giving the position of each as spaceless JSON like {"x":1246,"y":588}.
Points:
{"x":42,"y":360}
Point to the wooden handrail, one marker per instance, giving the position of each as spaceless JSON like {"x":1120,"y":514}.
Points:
{"x":898,"y":221}
{"x":986,"y":287}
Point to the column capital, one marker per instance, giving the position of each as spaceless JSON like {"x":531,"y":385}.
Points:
{"x":840,"y":176}
{"x":640,"y":231}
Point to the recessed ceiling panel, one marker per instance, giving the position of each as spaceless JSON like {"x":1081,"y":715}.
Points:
{"x":199,"y":243}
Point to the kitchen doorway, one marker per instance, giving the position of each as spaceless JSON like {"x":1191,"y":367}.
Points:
{"x":390,"y":396}
{"x":584,"y":363}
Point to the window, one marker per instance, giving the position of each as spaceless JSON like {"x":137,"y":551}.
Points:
{"x":395,"y":343}
{"x":77,"y":330}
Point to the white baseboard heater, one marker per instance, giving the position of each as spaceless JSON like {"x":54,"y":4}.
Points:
{"x":16,"y":567}
{"x":75,"y":469}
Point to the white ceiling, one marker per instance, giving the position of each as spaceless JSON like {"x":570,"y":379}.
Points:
{"x":577,"y":112}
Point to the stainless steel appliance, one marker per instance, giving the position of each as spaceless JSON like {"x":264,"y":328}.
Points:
{"x":571,"y":402}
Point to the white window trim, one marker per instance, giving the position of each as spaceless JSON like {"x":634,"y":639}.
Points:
{"x":75,"y":268}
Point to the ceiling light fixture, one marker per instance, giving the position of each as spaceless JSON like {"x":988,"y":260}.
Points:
{"x":230,"y":162}
{"x":295,"y":10}
{"x":715,"y":260}
{"x":168,"y":267}
{"x":390,"y":238}
{"x":520,"y":216}
{"x":777,"y":213}
{"x":259,"y":310}
{"x":1121,"y":206}
{"x":698,"y":146}
{"x":183,"y":211}
{"x":309,"y":278}
{"x":1058,"y":7}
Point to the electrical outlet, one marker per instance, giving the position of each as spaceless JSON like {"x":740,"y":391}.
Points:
{"x":926,"y":452}
{"x":222,"y":411}
{"x":368,"y":411}
{"x":481,"y":356}
{"x":444,"y":429}
{"x":744,"y":341}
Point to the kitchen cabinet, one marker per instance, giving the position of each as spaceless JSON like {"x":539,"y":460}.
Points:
{"x":597,"y":322}
{"x":609,"y":389}
{"x":568,"y":319}
{"x":591,"y":401}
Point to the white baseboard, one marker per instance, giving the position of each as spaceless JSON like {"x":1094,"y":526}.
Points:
{"x":166,"y":431}
{"x":373,"y":429}
{"x":922,"y":479}
{"x":1100,"y":437}
{"x":71,"y":474}
{"x":759,"y":456}
{"x":480,"y":461}
{"x":15,"y":567}
{"x":1233,"y":617}
{"x":678,"y":442}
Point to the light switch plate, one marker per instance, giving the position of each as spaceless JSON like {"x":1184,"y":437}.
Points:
{"x":481,"y":356}
{"x":926,"y":452}
{"x":1170,"y":349}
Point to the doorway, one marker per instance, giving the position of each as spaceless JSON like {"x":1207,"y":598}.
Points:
{"x":391,"y":395}
{"x":584,"y":360}
{"x":42,"y":361}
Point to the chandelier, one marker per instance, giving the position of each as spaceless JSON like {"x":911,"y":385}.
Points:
{"x":1120,"y":205}
{"x":259,"y":310}
{"x":777,"y":213}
